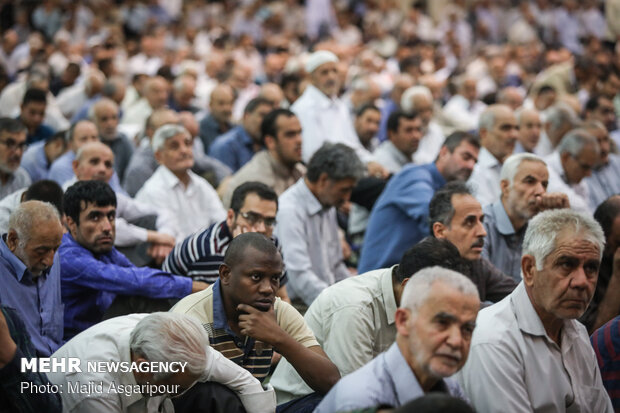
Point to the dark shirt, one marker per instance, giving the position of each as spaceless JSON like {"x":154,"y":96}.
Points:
{"x":606,"y":343}
{"x":235,"y":148}
{"x":42,"y":133}
{"x":493,"y":285}
{"x":604,"y":276}
{"x":209,"y":130}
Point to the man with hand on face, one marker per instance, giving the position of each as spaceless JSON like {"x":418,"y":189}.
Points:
{"x":246,"y":322}
{"x":529,"y":353}
{"x":524,"y":179}
{"x":456,"y":215}
{"x":434,"y":325}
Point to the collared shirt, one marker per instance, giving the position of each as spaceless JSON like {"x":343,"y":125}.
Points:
{"x":235,"y":148}
{"x":109,"y":341}
{"x":325,"y":120}
{"x":387,"y":380}
{"x":138,"y":113}
{"x":484,"y":179}
{"x":209,"y":130}
{"x":37,"y":299}
{"x":310,"y":243}
{"x":41,"y":133}
{"x":502,"y":245}
{"x":578,"y":194}
{"x":399,"y":218}
{"x":90,"y":283}
{"x":429,"y":146}
{"x":207,"y":307}
{"x":264,"y":168}
{"x":390,"y":157}
{"x":17,"y":180}
{"x":35,"y":162}
{"x":8,"y":204}
{"x":353,"y":321}
{"x":462,"y":113}
{"x":603,"y":183}
{"x":195,"y":206}
{"x":514,"y":366}
{"x":606,"y":344}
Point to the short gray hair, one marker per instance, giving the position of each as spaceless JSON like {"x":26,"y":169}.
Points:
{"x":543,"y":229}
{"x":513,"y":162}
{"x":165,"y":132}
{"x":92,"y":111}
{"x":419,"y":286}
{"x":487,"y":118}
{"x":338,"y":161}
{"x":29,"y":213}
{"x":167,"y":337}
{"x":521,"y":111}
{"x":406,"y":101}
{"x":575,"y":140}
{"x":559,"y":114}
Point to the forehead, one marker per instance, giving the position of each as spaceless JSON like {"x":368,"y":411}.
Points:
{"x":530,"y":117}
{"x":570,"y":243}
{"x":103,"y":153}
{"x":106,"y":110}
{"x":16,"y":136}
{"x":443,"y":298}
{"x":287,"y":122}
{"x":43,"y":229}
{"x":253,"y":202}
{"x":178,"y":138}
{"x":35,"y":105}
{"x":422,"y":100}
{"x":325,"y":67}
{"x":84,"y":128}
{"x":371,"y":113}
{"x":504,"y":116}
{"x":465,"y":205}
{"x":537,"y":169}
{"x":254,"y":259}
{"x":88,"y":207}
{"x":466,"y":146}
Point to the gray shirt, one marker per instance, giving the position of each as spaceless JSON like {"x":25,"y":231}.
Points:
{"x":310,"y":243}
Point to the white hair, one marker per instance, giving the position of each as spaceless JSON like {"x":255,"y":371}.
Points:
{"x":575,"y":140}
{"x":165,"y":132}
{"x":167,"y":337}
{"x":28,"y":213}
{"x":406,"y":101}
{"x":419,"y":286}
{"x":543,"y":229}
{"x":513,"y":162}
{"x":92,"y":110}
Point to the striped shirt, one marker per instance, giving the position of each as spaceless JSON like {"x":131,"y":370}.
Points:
{"x":255,"y":356}
{"x":199,"y":256}
{"x":606,"y":343}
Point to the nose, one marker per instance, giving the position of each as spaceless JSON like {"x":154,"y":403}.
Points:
{"x":106,"y":224}
{"x":260,"y":227}
{"x":455,"y":338}
{"x":540,"y":189}
{"x":265,"y":286}
{"x":480,"y":231}
{"x":48,"y":259}
{"x":579,"y":278}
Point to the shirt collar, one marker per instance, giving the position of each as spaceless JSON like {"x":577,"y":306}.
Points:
{"x":486,"y":159}
{"x":170,"y":180}
{"x":387,"y":289}
{"x":219,"y":313}
{"x":18,"y":267}
{"x":501,"y":218}
{"x":406,"y":385}
{"x":438,"y":178}
{"x":244,"y":137}
{"x":527,"y":317}
{"x":313,"y":206}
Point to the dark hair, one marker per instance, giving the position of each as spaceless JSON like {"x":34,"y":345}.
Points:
{"x":268,"y":126}
{"x":456,"y":138}
{"x":441,"y":209}
{"x":84,"y":193}
{"x":607,"y":212}
{"x":338,"y":161}
{"x":436,"y":403}
{"x":394,"y":119}
{"x":431,"y":252}
{"x":11,"y":125}
{"x":593,"y":103}
{"x":34,"y":95}
{"x":252,"y":187}
{"x":255,"y":103}
{"x":47,"y":191}
{"x":545,"y":89}
{"x":240,"y":244}
{"x":366,"y":106}
{"x":289,"y":78}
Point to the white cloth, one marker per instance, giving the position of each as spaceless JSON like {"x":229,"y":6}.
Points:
{"x":8,"y":204}
{"x":137,"y":113}
{"x":390,"y":157}
{"x":463,"y":114}
{"x":429,"y":146}
{"x":484,"y":179}
{"x":109,"y":341}
{"x":513,"y":366}
{"x":578,"y":194}
{"x":325,"y":120}
{"x":194,"y":207}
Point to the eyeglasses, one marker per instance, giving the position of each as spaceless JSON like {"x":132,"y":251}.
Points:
{"x":11,"y":144}
{"x":254,"y":218}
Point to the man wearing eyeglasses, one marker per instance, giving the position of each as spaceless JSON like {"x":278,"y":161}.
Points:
{"x":575,"y":158}
{"x":252,"y":209}
{"x":12,"y":147}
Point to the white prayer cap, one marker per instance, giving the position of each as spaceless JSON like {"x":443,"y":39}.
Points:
{"x":316,"y":59}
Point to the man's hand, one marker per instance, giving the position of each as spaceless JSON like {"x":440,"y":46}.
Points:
{"x":553,"y":200}
{"x":377,"y":170}
{"x":7,"y":345}
{"x":198,"y":286}
{"x":155,"y":237}
{"x":260,"y":325}
{"x":159,"y":252}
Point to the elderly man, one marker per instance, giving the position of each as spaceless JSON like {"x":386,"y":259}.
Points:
{"x":529,"y":349}
{"x":530,"y":126}
{"x":603,"y":182}
{"x":12,"y":146}
{"x":399,"y":218}
{"x":142,"y":340}
{"x":310,"y":240}
{"x":30,"y":275}
{"x":434,"y":325}
{"x":175,"y":188}
{"x":239,"y":313}
{"x":218,"y":121}
{"x":93,"y":271}
{"x":498,"y":131}
{"x":279,"y":166}
{"x":363,"y":308}
{"x":156,"y":90}
{"x":524,"y":179}
{"x":405,"y":131}
{"x":104,"y":113}
{"x":575,"y":158}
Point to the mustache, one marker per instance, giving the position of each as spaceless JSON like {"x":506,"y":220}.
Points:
{"x":479,"y":243}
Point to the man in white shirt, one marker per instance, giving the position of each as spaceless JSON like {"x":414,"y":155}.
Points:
{"x":146,"y":341}
{"x":174,"y":187}
{"x":404,"y":135}
{"x":498,"y":134}
{"x":529,"y":130}
{"x":156,"y":91}
{"x":464,"y":109}
{"x":528,"y":352}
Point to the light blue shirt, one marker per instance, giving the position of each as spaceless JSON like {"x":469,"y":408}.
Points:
{"x":386,"y":380}
{"x":604,"y":182}
{"x":35,"y":162}
{"x":36,"y":299}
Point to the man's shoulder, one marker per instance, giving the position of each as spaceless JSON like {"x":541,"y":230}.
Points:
{"x":496,"y":324}
{"x":198,"y":305}
{"x":360,"y":292}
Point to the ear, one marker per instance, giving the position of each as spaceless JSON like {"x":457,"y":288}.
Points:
{"x":503,"y":186}
{"x":230,"y":217}
{"x":224,"y":274}
{"x":142,"y":377}
{"x":564,"y":157}
{"x":439,"y":230}
{"x":270,"y":142}
{"x":322,"y":181}
{"x":12,"y":240}
{"x":74,"y":165}
{"x":401,"y":319}
{"x":528,"y":269}
{"x":158,"y":157}
{"x":72,"y":225}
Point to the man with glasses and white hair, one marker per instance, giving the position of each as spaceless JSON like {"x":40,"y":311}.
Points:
{"x":523,"y":183}
{"x":529,"y":353}
{"x":174,"y":187}
{"x":434,"y":325}
{"x":12,"y":147}
{"x":158,"y":340}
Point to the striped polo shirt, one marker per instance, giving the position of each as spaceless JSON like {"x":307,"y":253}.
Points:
{"x":606,"y":343}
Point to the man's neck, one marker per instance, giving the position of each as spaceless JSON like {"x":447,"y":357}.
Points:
{"x":552,"y":324}
{"x":183,"y":177}
{"x":425,"y":381}
{"x":274,"y":155}
{"x":517,"y":222}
